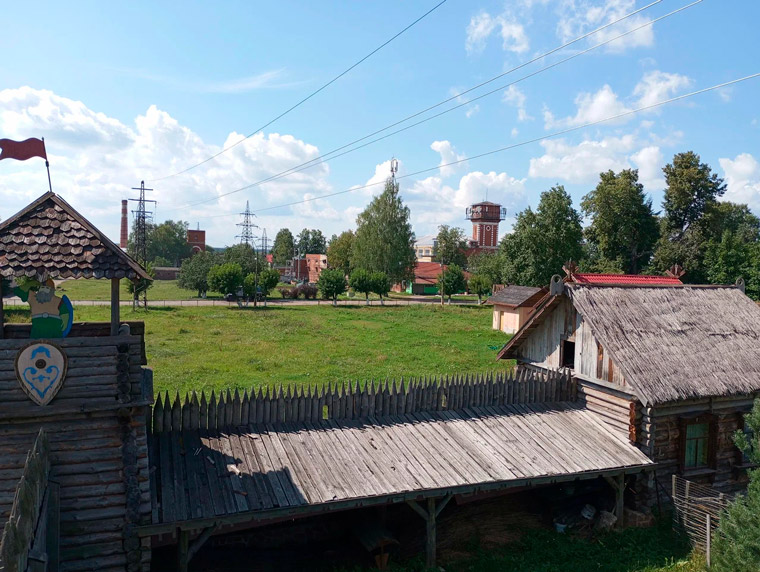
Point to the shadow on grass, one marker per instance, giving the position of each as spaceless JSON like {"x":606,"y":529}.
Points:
{"x":655,"y":549}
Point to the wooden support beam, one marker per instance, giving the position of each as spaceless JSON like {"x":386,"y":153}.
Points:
{"x":198,"y":543}
{"x":183,"y":549}
{"x":618,"y":485}
{"x":430,"y":515}
{"x":115,"y":317}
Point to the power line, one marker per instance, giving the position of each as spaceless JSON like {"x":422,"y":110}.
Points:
{"x":326,"y":156}
{"x":308,"y":97}
{"x":521,"y":144}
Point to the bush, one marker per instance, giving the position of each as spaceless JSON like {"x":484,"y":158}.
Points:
{"x":309,"y":292}
{"x":285,"y":292}
{"x":226,"y":278}
{"x":361,"y":281}
{"x":331,"y":284}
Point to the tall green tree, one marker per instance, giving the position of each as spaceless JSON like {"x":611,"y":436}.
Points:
{"x":381,"y":285}
{"x":339,"y":251}
{"x":623,"y":227}
{"x":282,"y":249}
{"x":691,"y":194}
{"x":731,"y":258}
{"x":480,"y":285}
{"x":486,"y":263}
{"x":451,"y":246}
{"x":311,"y":242}
{"x":246,"y":256}
{"x":384,"y":239}
{"x":167,"y":241}
{"x":452,"y":281}
{"x":542,"y":241}
{"x":193,"y":274}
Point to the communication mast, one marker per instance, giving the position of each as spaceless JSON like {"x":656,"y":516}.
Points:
{"x":264,"y":243}
{"x":394,"y":170}
{"x":247,"y":226}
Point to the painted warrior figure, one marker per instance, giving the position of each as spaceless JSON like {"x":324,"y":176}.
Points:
{"x":51,"y":316}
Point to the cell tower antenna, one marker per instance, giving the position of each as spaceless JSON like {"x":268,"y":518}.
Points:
{"x":394,"y":169}
{"x":247,"y":226}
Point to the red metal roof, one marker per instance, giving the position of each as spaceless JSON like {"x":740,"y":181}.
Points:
{"x":427,"y":272}
{"x":641,"y":279}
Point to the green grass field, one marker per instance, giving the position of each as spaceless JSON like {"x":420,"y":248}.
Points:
{"x":656,"y":549}
{"x":220,"y":347}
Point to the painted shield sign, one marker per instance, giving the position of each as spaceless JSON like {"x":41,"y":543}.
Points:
{"x":40,"y":369}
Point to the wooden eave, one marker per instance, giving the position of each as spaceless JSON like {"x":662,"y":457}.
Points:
{"x":536,"y":319}
{"x":122,"y":256}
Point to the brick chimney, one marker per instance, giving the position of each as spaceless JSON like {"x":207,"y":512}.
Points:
{"x":124,"y":230}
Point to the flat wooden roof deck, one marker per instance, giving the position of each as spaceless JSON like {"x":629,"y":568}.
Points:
{"x":263,"y":471}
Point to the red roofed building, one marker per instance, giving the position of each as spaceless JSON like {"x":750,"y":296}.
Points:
{"x":623,"y":279}
{"x":425,"y":279}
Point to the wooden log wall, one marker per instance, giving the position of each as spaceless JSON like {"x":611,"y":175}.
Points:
{"x":355,"y":401}
{"x":620,"y":412}
{"x":97,"y":429}
{"x":21,"y":523}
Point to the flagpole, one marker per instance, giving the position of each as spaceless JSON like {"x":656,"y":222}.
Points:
{"x":47,"y":166}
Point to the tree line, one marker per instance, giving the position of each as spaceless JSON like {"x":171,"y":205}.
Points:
{"x":714,"y":241}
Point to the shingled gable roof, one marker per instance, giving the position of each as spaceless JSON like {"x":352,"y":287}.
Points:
{"x":671,"y":342}
{"x":49,"y":239}
{"x":514,"y":295}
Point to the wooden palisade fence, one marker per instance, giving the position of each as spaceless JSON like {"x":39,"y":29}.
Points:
{"x":23,"y":545}
{"x":359,"y":401}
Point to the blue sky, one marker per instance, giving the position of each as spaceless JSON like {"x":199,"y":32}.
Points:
{"x":124,"y":92}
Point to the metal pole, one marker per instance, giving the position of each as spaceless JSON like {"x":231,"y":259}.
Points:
{"x":47,"y":166}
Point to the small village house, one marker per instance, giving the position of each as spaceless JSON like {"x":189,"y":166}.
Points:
{"x":425,"y":279}
{"x":513,"y":305}
{"x":672,"y":367}
{"x":425,"y":247}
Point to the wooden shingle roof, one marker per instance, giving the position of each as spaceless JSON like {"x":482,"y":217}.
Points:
{"x":514,"y":295}
{"x":49,"y":239}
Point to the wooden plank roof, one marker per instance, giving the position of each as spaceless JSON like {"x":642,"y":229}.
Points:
{"x":49,"y":239}
{"x":205,"y":477}
{"x":513,"y":295}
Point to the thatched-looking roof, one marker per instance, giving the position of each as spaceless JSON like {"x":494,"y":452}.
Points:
{"x":517,"y":296}
{"x":675,"y":343}
{"x":49,"y":239}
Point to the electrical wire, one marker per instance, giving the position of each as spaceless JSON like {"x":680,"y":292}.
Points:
{"x":327,"y":156}
{"x":514,"y":145}
{"x":305,"y":99}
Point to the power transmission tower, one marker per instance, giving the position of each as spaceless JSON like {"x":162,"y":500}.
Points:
{"x":247,"y":226}
{"x":264,"y":243}
{"x":143,"y":217}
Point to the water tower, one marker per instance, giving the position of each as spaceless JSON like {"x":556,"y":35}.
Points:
{"x":485,"y":218}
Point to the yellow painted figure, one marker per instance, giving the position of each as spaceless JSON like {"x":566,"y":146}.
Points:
{"x":51,"y":316}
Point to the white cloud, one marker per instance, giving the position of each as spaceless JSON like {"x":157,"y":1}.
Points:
{"x":95,"y":159}
{"x":742,"y":176}
{"x":481,"y":26}
{"x":658,"y":86}
{"x":583,"y":162}
{"x":376,"y":183}
{"x":649,"y":162}
{"x":578,"y":17}
{"x":515,"y":97}
{"x":515,"y":132}
{"x":590,"y":107}
{"x":433,"y":203}
{"x":448,"y":155}
{"x":472,"y":110}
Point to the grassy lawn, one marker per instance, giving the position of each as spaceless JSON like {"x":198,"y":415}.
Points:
{"x":101,"y":290}
{"x":656,"y":549}
{"x":219,"y":347}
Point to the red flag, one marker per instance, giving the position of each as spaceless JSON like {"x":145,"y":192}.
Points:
{"x":22,"y":150}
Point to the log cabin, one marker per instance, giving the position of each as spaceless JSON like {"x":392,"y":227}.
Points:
{"x":673,"y":366}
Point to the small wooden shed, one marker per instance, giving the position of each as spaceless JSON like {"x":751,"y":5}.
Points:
{"x":513,"y":305}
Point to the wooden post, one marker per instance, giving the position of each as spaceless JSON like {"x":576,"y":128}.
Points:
{"x":430,"y":515}
{"x":430,"y":539}
{"x":620,"y":498}
{"x":115,"y":319}
{"x":708,"y":541}
{"x":183,"y":550}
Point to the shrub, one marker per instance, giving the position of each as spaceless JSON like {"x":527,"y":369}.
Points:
{"x":331,"y":284}
{"x":309,"y":292}
{"x":226,"y":278}
{"x":361,"y":281}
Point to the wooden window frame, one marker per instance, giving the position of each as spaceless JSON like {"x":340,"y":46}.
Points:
{"x":712,"y":444}
{"x":562,"y":346}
